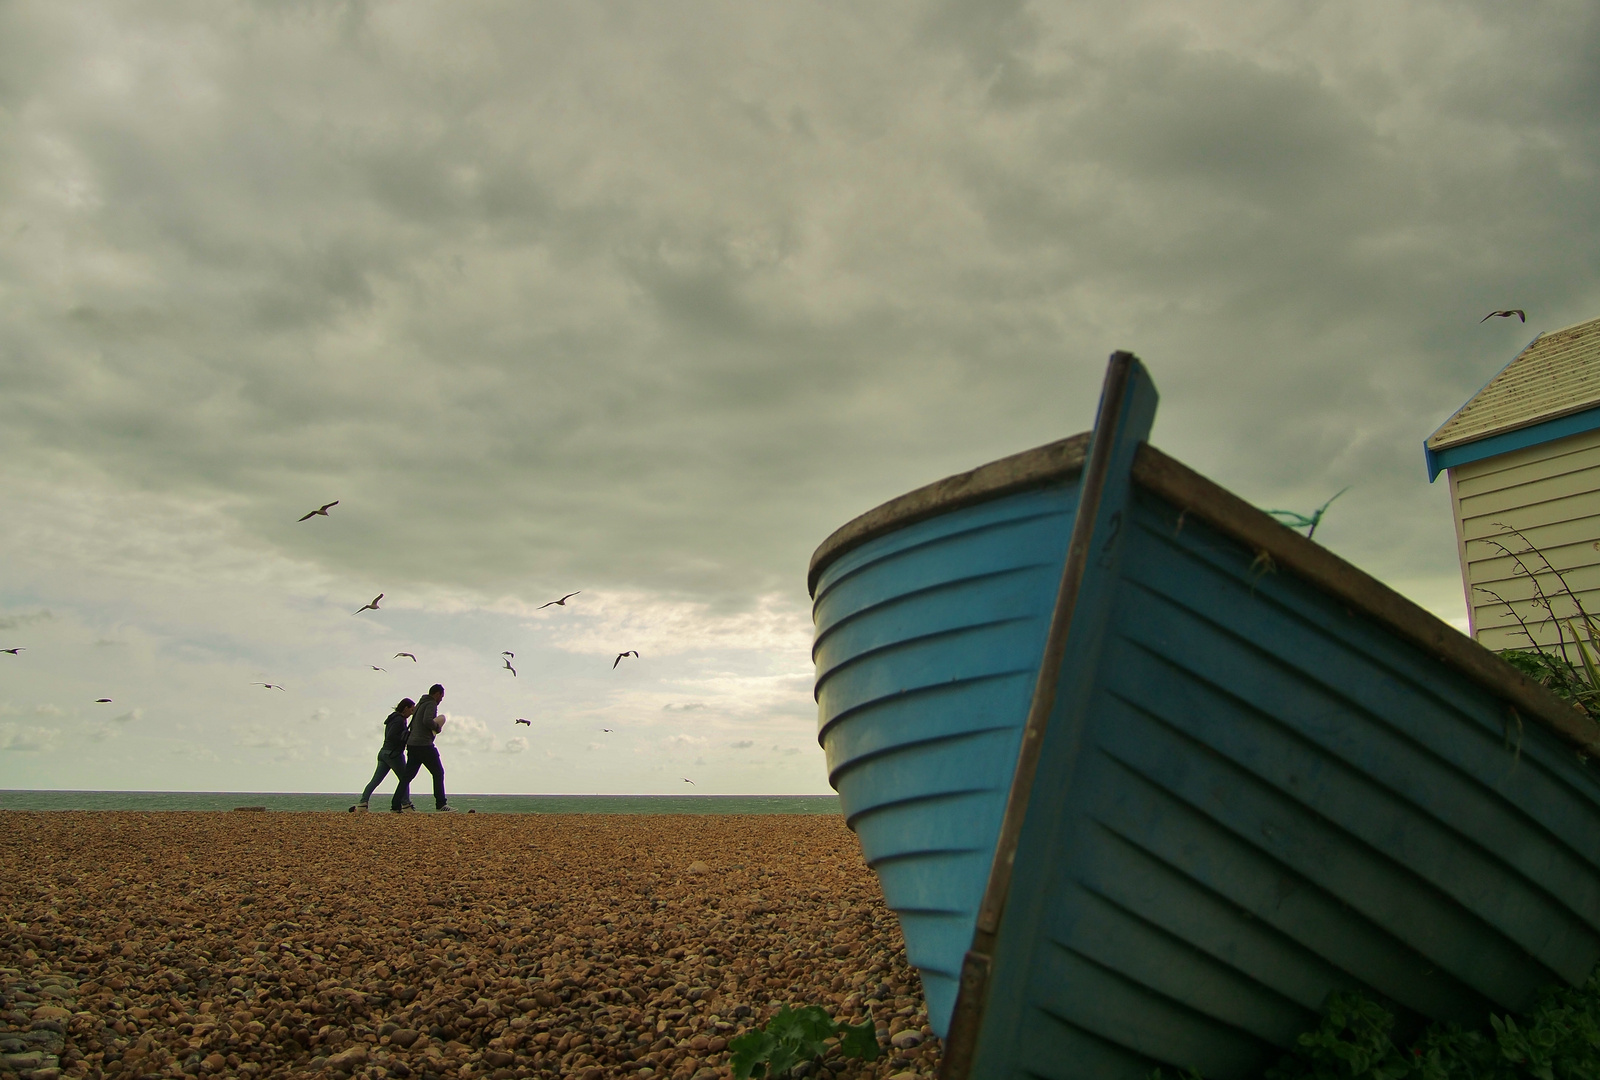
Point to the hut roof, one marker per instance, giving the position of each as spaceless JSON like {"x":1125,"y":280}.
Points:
{"x":1556,"y":375}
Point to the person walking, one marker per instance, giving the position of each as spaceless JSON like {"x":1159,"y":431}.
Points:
{"x":392,"y":758}
{"x":420,"y":751}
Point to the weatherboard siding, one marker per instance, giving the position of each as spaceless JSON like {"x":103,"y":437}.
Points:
{"x":1551,"y":495}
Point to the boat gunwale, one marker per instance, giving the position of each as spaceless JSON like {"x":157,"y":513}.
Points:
{"x":1039,"y":467}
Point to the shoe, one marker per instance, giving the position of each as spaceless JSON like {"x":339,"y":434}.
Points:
{"x":351,"y":810}
{"x":408,"y":809}
{"x":445,"y":810}
{"x":393,"y":811}
{"x":359,"y":808}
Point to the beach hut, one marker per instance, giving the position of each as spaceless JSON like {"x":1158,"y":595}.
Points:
{"x":1523,"y":461}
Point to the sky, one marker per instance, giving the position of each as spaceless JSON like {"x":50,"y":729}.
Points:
{"x":645,"y":300}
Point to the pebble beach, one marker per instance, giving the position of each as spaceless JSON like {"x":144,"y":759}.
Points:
{"x":433,"y":946}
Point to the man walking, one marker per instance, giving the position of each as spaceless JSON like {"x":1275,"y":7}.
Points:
{"x":420,"y":751}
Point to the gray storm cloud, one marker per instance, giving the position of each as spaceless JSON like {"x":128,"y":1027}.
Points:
{"x":650,"y":301}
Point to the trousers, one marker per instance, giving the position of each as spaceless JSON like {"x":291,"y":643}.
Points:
{"x":417,"y":759}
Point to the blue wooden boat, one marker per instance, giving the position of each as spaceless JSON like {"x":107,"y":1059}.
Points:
{"x":1146,"y":775}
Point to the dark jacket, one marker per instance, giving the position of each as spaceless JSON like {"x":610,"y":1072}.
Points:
{"x":422,"y":726}
{"x":394,"y":734}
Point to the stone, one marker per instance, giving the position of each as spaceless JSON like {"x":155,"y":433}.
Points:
{"x":347,"y":1061}
{"x":697,"y":868}
{"x":905,"y":1040}
{"x":404,"y":1037}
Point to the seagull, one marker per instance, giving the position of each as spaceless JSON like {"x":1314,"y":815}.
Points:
{"x":686,"y":780}
{"x":512,"y":655}
{"x":511,"y":669}
{"x":370,"y":607}
{"x":1518,"y":312}
{"x":15,"y":652}
{"x":520,"y":720}
{"x":102,"y":701}
{"x":620,"y":655}
{"x":323,"y":512}
{"x":375,"y":667}
{"x":605,"y":729}
{"x":398,"y":655}
{"x":268,"y":685}
{"x":561,"y":603}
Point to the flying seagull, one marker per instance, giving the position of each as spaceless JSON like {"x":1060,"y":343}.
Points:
{"x":511,"y":669}
{"x":620,"y":655}
{"x":322,"y":512}
{"x":520,"y":720}
{"x":1521,"y":315}
{"x":15,"y":652}
{"x":268,"y":685}
{"x":102,"y":701}
{"x":562,"y":602}
{"x":686,"y":780}
{"x":398,"y":655}
{"x":370,"y":607}
{"x":605,"y":729}
{"x":512,"y":655}
{"x":375,"y":667}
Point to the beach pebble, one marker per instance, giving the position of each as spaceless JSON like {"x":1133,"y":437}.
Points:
{"x":275,"y":946}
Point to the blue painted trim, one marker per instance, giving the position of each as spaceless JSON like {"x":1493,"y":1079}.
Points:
{"x":1520,"y":439}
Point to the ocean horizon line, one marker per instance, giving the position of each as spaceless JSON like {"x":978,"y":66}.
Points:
{"x":464,"y":794}
{"x":53,"y":799}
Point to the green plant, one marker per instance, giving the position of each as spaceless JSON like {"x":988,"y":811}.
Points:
{"x":794,"y":1036}
{"x":1577,"y":681}
{"x":1309,"y":522}
{"x":1557,"y":1039}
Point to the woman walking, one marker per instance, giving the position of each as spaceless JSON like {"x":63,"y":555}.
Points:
{"x":392,"y":758}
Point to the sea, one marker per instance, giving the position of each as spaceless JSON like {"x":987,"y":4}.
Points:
{"x":484,"y":804}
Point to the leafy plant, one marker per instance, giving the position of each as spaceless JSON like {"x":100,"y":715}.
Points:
{"x":795,"y":1036}
{"x":1558,"y":1039}
{"x":1309,"y":522}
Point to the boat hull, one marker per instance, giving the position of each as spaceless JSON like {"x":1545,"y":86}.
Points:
{"x":928,"y":645}
{"x":1261,"y":799}
{"x":1246,"y":776}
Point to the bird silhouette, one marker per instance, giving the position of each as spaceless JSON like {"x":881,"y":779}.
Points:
{"x":1521,"y":315}
{"x":512,"y":655}
{"x":375,"y":667}
{"x":620,"y":655}
{"x":559,"y":603}
{"x":398,"y":655}
{"x":605,"y":729}
{"x":511,"y":669}
{"x":520,"y":720}
{"x":686,"y":780}
{"x":268,"y":685}
{"x":370,"y":607}
{"x":322,"y":512}
{"x":15,"y":652}
{"x":102,"y":701}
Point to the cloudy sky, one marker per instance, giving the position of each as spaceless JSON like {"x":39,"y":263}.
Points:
{"x":645,"y":300}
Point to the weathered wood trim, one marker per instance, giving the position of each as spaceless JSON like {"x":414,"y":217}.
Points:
{"x":1038,"y":467}
{"x":1220,"y":508}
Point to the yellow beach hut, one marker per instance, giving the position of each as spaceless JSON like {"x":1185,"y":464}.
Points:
{"x":1523,"y":460}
